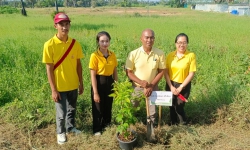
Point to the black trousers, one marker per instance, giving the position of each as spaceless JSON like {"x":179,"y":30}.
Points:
{"x":177,"y":108}
{"x":102,"y":112}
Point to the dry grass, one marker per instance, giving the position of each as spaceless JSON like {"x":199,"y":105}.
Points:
{"x":114,"y":10}
{"x":220,"y":135}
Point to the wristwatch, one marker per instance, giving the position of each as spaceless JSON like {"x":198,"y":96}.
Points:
{"x":181,"y":86}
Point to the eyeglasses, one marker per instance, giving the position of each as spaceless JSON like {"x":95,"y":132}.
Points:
{"x":181,"y":43}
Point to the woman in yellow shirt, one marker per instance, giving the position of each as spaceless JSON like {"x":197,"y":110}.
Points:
{"x":103,"y":72}
{"x":180,"y":70}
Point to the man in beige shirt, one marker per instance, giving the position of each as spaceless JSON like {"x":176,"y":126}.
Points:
{"x":145,"y":67}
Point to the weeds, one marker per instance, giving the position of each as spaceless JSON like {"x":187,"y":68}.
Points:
{"x":8,"y":10}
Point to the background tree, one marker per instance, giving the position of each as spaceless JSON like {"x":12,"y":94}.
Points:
{"x":56,"y":6}
{"x":31,"y":3}
{"x":74,"y":4}
{"x":66,"y":3}
{"x":80,"y":3}
{"x":23,"y":9}
{"x":163,"y":2}
{"x":93,"y":3}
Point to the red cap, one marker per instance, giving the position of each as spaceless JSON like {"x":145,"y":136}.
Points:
{"x":61,"y":17}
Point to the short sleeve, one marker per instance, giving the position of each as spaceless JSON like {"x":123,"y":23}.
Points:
{"x":192,"y":63}
{"x":115,"y":59}
{"x":79,"y":51}
{"x":47,"y":54}
{"x":130,"y":62}
{"x":162,"y":63}
{"x":93,"y":62}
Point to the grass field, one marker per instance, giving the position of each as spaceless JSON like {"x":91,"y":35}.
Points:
{"x":218,"y":108}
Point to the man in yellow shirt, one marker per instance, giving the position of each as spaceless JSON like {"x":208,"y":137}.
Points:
{"x":66,"y":79}
{"x":145,"y":67}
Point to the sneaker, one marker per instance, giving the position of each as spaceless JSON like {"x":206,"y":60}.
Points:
{"x":61,"y":138}
{"x":74,"y":130}
{"x":97,"y":134}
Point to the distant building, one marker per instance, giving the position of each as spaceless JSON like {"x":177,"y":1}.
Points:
{"x":236,"y":9}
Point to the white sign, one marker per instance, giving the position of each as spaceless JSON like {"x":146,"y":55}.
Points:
{"x":163,"y":98}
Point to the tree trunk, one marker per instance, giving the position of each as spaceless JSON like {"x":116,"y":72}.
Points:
{"x":56,"y":6}
{"x":23,"y":9}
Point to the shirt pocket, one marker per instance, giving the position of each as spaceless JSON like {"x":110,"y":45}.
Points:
{"x":155,"y":64}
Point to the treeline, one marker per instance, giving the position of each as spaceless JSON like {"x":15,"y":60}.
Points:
{"x":81,"y":3}
{"x":118,"y":3}
{"x":93,"y":3}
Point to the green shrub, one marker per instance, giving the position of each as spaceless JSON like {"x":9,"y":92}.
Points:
{"x":8,"y":10}
{"x":136,"y":14}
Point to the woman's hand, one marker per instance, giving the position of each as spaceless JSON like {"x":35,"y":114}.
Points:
{"x":96,"y":97}
{"x":174,"y":90}
{"x":178,"y":90}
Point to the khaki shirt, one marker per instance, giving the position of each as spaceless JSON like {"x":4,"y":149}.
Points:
{"x":145,"y":66}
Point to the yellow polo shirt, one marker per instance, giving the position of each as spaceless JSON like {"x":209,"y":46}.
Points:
{"x":179,"y":68}
{"x":103,"y":66}
{"x":66,"y":77}
{"x":145,"y":66}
